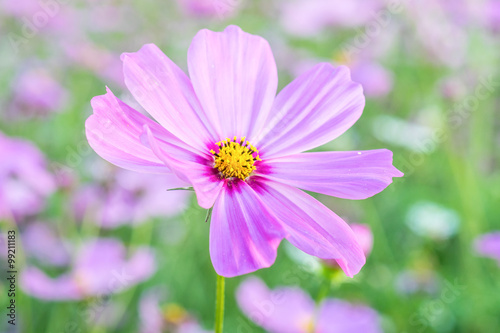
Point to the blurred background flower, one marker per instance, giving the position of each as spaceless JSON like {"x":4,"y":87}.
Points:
{"x":126,"y":197}
{"x":25,"y":181}
{"x":100,"y":267}
{"x":287,"y":310}
{"x":488,"y":245}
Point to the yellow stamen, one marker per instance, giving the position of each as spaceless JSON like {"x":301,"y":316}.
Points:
{"x":307,"y":325}
{"x":235,"y":160}
{"x":174,"y":313}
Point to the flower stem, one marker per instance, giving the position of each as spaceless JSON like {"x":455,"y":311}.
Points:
{"x":209,"y":214}
{"x":219,"y":304}
{"x":181,"y":189}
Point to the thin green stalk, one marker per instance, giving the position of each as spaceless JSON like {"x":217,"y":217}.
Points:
{"x":181,"y":189}
{"x":219,"y":304}
{"x":209,"y":214}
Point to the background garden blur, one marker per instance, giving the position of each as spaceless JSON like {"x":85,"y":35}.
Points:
{"x":100,"y":249}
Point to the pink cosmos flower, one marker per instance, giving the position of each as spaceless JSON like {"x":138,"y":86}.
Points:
{"x":291,"y":310}
{"x":36,"y":92}
{"x":41,"y":241}
{"x":129,"y":198}
{"x":224,"y":131}
{"x":156,"y":317}
{"x":309,"y":17}
{"x":433,"y":28}
{"x":25,"y":181}
{"x":488,"y":245}
{"x":100,"y":268}
{"x":210,"y":8}
{"x":103,"y":63}
{"x":41,"y":17}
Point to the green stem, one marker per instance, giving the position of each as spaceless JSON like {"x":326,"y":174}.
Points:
{"x":219,"y":304}
{"x":324,"y":290}
{"x":181,"y":189}
{"x":209,"y":214}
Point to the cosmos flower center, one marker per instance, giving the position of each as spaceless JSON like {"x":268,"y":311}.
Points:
{"x":236,"y":158}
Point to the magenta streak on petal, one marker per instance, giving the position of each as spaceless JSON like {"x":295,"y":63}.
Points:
{"x":191,"y":168}
{"x":346,"y":174}
{"x":244,"y":235}
{"x":312,"y":110}
{"x":311,"y":226}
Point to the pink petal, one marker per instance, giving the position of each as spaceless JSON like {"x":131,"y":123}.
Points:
{"x":113,"y":131}
{"x":364,"y":236}
{"x":193,"y":169}
{"x":235,"y":78}
{"x":488,"y":245}
{"x":343,"y":174}
{"x":150,"y":312}
{"x":101,"y":266}
{"x":166,"y":93}
{"x":244,"y":236}
{"x":141,"y":265}
{"x":314,"y":109}
{"x":284,"y":310}
{"x":337,"y":316}
{"x":311,"y":226}
{"x":36,"y":283}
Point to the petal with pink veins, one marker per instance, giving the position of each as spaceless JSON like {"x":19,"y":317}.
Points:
{"x":235,"y":78}
{"x":311,"y":226}
{"x":244,"y":235}
{"x":343,"y":174}
{"x":114,"y":130}
{"x":167,"y":94}
{"x":312,"y":110}
{"x":193,"y":169}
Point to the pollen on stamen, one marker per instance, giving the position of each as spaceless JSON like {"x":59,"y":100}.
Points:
{"x":235,"y":160}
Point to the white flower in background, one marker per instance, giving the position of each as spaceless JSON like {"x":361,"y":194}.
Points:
{"x":415,"y":136}
{"x":432,"y":220}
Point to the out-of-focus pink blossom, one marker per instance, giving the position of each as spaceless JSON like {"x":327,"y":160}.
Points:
{"x":41,"y":241}
{"x":291,"y":310}
{"x":437,"y":34}
{"x":376,"y":80}
{"x":100,"y":267}
{"x":36,"y":17}
{"x":25,"y":181}
{"x":156,"y":317}
{"x":364,"y":236}
{"x":494,"y":14}
{"x":488,"y":245}
{"x":36,"y":92}
{"x":211,"y":8}
{"x":101,"y":62}
{"x":130,"y":198}
{"x":309,"y":17}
